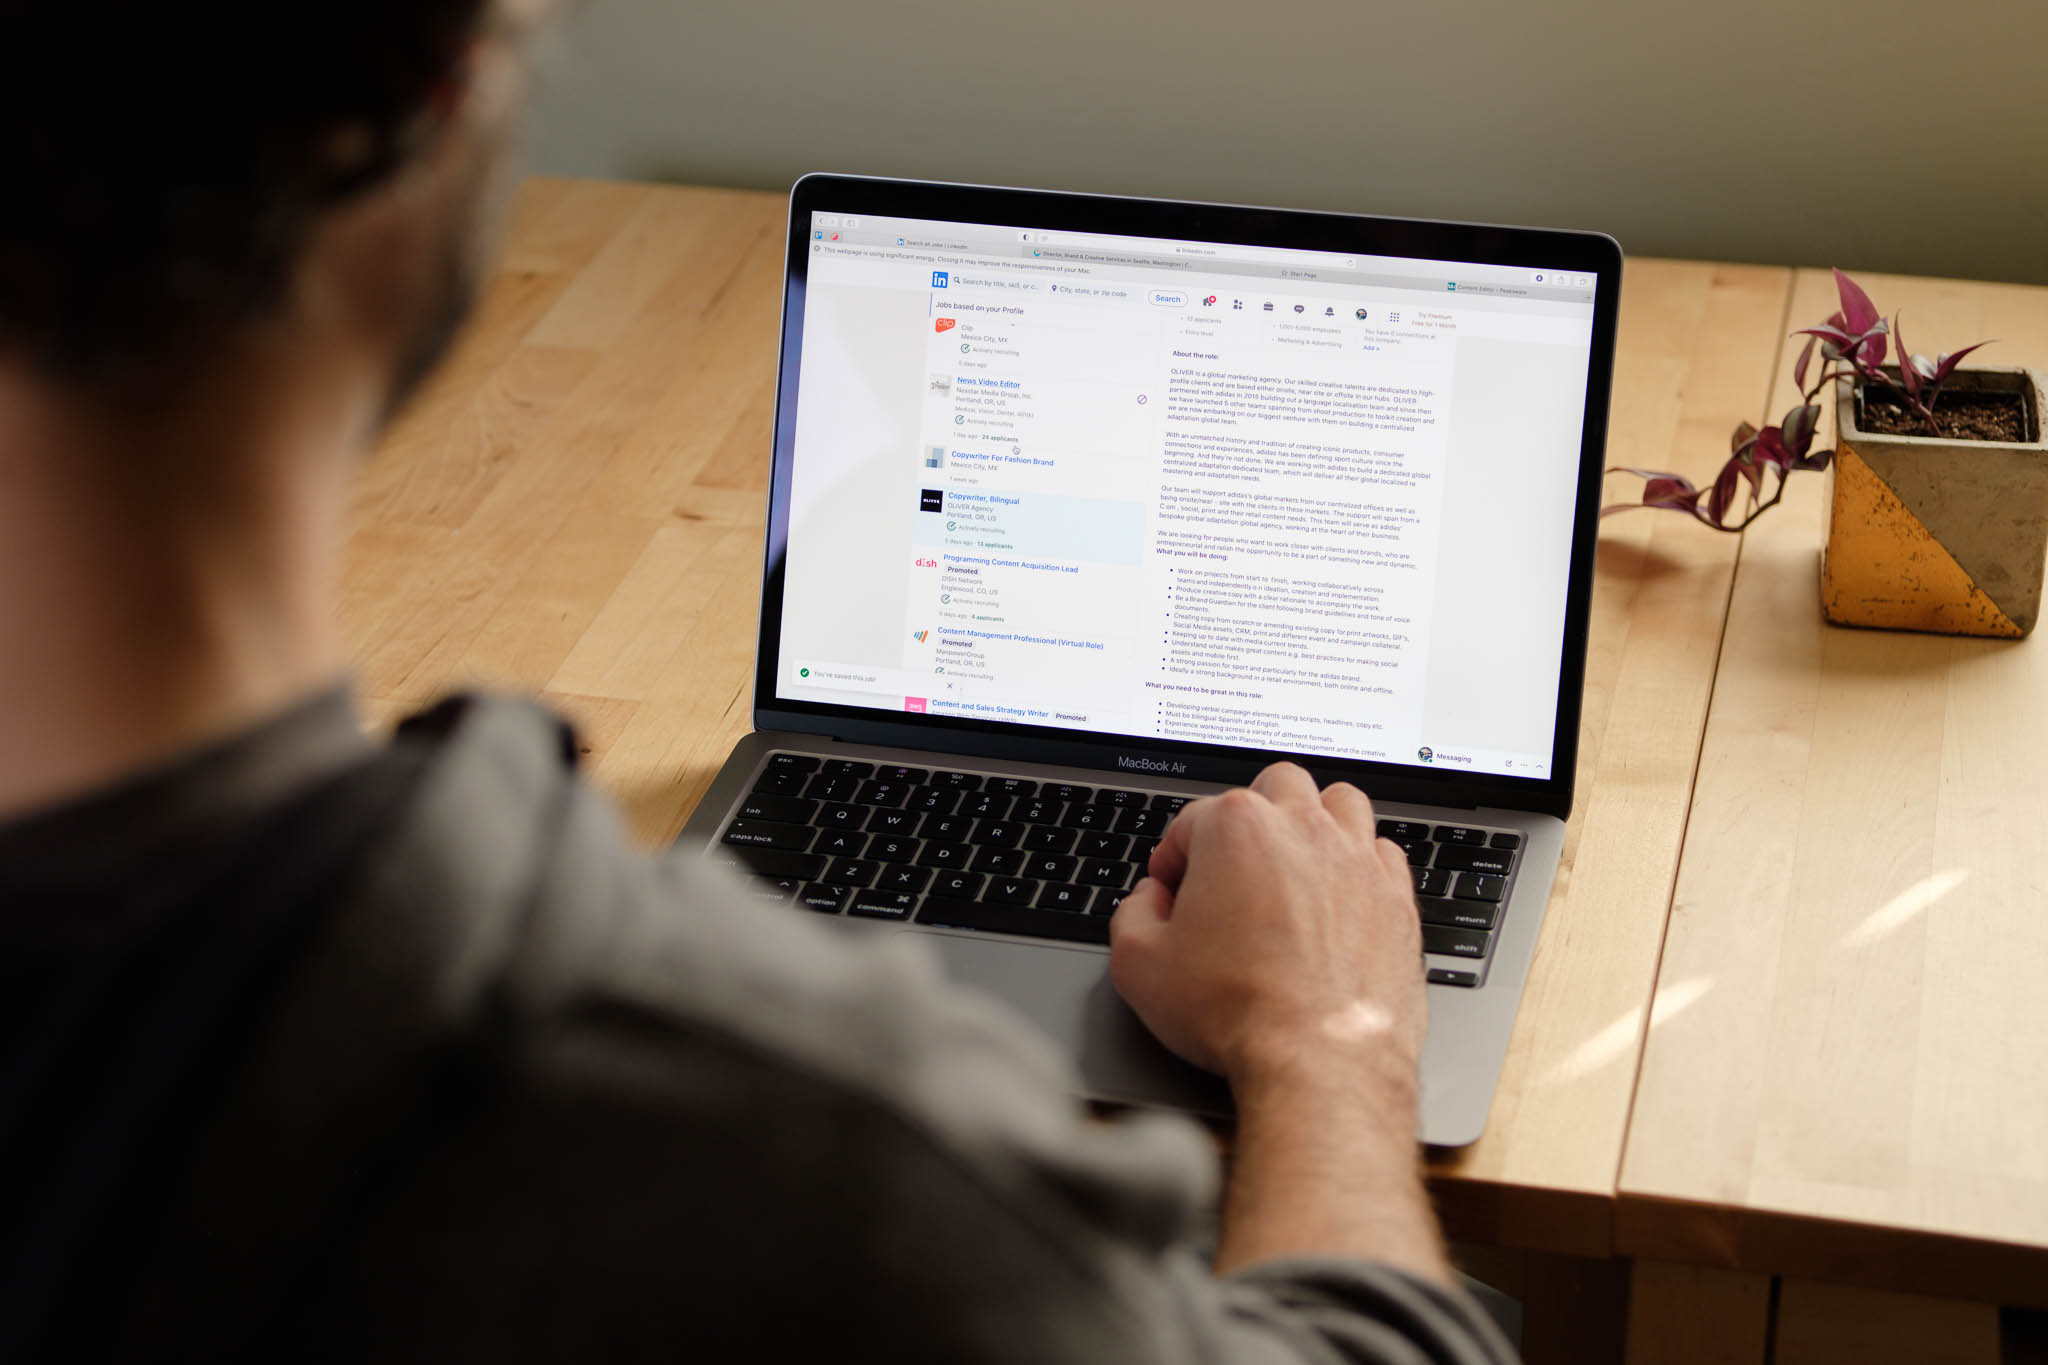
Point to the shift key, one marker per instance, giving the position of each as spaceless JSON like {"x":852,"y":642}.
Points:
{"x":1436,"y":938}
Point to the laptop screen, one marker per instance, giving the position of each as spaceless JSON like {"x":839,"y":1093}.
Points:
{"x":1312,"y":502}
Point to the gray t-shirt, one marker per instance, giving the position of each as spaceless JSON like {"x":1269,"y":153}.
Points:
{"x":340,"y":1050}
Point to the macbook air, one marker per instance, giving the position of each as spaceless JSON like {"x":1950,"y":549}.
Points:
{"x":1085,"y":507}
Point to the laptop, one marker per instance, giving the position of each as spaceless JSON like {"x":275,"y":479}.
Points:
{"x":1085,"y":507}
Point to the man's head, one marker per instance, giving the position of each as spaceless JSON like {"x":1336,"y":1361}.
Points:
{"x":172,"y":168}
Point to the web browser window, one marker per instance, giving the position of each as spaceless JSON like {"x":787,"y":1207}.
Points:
{"x":1292,"y":500}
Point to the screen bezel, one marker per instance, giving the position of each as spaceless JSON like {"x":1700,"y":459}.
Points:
{"x":1143,"y":757}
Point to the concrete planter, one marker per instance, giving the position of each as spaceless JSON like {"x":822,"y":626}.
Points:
{"x":1937,"y":535}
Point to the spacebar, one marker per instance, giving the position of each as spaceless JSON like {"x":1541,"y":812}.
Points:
{"x":1015,"y":919}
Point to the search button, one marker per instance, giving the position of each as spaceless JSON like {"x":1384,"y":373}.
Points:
{"x":1169,"y":298}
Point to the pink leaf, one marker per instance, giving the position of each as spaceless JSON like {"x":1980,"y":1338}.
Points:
{"x":1805,"y":358}
{"x":1946,"y":366}
{"x":1858,"y":312}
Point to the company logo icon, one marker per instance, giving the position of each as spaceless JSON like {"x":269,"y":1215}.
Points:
{"x":915,"y":705}
{"x":946,"y":324}
{"x":938,"y":279}
{"x":1426,"y":754}
{"x":930,"y":500}
{"x":1361,"y":315}
{"x":920,"y":635}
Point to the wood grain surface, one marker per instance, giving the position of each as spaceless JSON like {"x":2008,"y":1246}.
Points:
{"x":1847,"y":1076}
{"x":574,"y":507}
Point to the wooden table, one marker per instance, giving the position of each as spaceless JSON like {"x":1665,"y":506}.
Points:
{"x":1846,"y":1081}
{"x":574,"y":508}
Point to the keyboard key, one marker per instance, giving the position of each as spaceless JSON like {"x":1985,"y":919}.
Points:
{"x":959,"y":782}
{"x":789,"y":810}
{"x":841,"y":843}
{"x":948,"y":829}
{"x":1050,"y":867}
{"x":1477,"y":886}
{"x":1004,"y":862}
{"x":903,"y":877}
{"x":1089,"y":817}
{"x":882,"y":904}
{"x":1107,"y":899}
{"x":1072,"y":899}
{"x":997,"y":834}
{"x":1110,"y":796}
{"x":768,"y":862}
{"x":1437,"y":938}
{"x":1106,"y":872}
{"x":1460,"y":834}
{"x":1098,"y":845}
{"x":882,"y":820}
{"x":879,"y":793}
{"x":1026,"y":921}
{"x":1066,"y":791}
{"x":986,"y":805}
{"x":852,"y":872}
{"x":824,"y":898}
{"x":1496,"y":862}
{"x":1431,"y":881}
{"x":847,"y":767}
{"x":769,"y":834}
{"x":827,"y":787}
{"x":796,"y":763}
{"x":950,"y":856}
{"x":1037,"y":810}
{"x":933,"y":800}
{"x":1141,"y":852}
{"x":960,"y":885}
{"x":1459,"y":914}
{"x":1170,"y":805}
{"x":1135,"y":821}
{"x":1404,"y":831}
{"x":909,"y":776}
{"x":777,"y":890}
{"x":1011,"y":786}
{"x":1446,"y":976}
{"x":779,"y":782}
{"x":840,"y":815}
{"x":887,"y":848}
{"x":1418,"y":853}
{"x":1508,"y":841}
{"x":1010,"y":891}
{"x":1049,"y":839}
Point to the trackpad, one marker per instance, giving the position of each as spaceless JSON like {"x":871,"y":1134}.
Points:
{"x":1066,"y":992}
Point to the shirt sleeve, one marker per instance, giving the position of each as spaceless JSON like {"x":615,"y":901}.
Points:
{"x":681,"y":1125}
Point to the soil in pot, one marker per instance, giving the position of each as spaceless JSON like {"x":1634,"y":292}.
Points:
{"x":1963,"y":416}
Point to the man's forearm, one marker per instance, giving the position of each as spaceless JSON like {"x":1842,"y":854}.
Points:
{"x":1325,"y":1163}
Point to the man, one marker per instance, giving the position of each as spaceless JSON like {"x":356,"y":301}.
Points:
{"x":331,"y":1049}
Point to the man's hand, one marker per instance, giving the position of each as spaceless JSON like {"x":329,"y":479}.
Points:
{"x":1276,"y":942}
{"x":1275,"y":927}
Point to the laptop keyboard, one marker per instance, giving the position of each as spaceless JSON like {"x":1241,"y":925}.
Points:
{"x":1051,"y":860}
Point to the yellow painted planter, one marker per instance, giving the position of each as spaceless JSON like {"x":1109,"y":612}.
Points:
{"x":1937,"y":535}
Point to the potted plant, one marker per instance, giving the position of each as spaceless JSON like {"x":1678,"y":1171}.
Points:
{"x":1938,"y":483}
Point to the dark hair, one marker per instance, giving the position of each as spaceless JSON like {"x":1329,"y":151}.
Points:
{"x":165,"y":163}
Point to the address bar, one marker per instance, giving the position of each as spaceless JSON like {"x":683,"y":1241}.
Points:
{"x":1197,"y":250}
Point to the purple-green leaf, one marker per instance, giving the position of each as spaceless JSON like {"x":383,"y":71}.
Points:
{"x":1946,"y":366}
{"x":1723,"y":494}
{"x":1858,"y":312}
{"x":1910,"y":372}
{"x":1743,"y":439}
{"x":1770,"y":447}
{"x":1805,"y":358}
{"x":1799,"y":426}
{"x":1819,"y":459}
